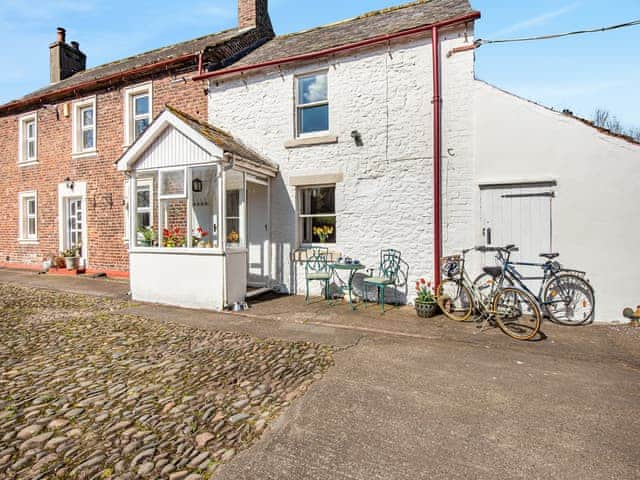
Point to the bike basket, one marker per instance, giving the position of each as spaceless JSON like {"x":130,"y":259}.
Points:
{"x":451,"y":266}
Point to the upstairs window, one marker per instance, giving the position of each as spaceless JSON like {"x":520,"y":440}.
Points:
{"x":28,"y":138}
{"x":84,"y":126}
{"x":28,"y":206}
{"x":138,"y":111}
{"x":312,"y":104}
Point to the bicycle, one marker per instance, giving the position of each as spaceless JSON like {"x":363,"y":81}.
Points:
{"x":564,"y":295}
{"x":514,"y":310}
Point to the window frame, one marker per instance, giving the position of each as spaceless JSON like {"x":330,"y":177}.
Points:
{"x":23,"y":139}
{"x":23,"y":216}
{"x":171,"y":196}
{"x":140,"y":185}
{"x":301,"y":216}
{"x":78,"y":128}
{"x":301,"y":106}
{"x":130,"y":117}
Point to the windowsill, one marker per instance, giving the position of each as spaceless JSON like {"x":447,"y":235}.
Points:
{"x":87,"y":154}
{"x":178,"y":251}
{"x":310,"y":141}
{"x":31,"y":241}
{"x":28,"y":163}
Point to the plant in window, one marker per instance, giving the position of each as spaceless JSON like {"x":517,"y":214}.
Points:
{"x":173,"y":238}
{"x":323,"y":232}
{"x":426,"y":305}
{"x":198,"y":237}
{"x":233,"y":236}
{"x":148,"y":235}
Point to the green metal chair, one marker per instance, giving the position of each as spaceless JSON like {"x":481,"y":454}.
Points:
{"x":317,"y":269}
{"x":387,"y":274}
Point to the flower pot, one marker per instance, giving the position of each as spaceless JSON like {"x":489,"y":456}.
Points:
{"x":145,"y":243}
{"x":70,"y":262}
{"x":426,"y":309}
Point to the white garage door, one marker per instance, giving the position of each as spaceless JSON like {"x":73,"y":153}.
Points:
{"x":519,"y":215}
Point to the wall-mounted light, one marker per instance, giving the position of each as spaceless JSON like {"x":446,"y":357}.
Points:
{"x":196,"y":185}
{"x":355,"y":134}
{"x":68,"y":183}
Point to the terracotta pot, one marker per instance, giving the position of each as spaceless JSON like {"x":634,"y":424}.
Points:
{"x":426,"y":309}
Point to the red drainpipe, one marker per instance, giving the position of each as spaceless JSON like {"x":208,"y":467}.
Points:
{"x":437,"y":179}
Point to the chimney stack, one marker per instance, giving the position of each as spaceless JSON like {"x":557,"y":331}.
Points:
{"x":254,"y":14}
{"x":65,"y":59}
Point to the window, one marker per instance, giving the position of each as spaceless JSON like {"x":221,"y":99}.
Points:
{"x":28,"y":206}
{"x":312,"y":104}
{"x":144,"y":193}
{"x":234,"y":198}
{"x":172,"y":183}
{"x":28,"y":138}
{"x":317,"y":217}
{"x":138,"y":111}
{"x":84,"y":126}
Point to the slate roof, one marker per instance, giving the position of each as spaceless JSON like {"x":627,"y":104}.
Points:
{"x":222,"y":139}
{"x":369,"y":25}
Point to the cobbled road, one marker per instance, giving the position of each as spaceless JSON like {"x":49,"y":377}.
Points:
{"x":87,"y":392}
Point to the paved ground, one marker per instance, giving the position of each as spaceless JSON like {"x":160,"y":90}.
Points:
{"x":410,"y":398}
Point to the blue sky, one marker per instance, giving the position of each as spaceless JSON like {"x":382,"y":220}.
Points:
{"x":579,"y":73}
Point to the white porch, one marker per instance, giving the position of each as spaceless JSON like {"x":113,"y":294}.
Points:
{"x":199,"y":215}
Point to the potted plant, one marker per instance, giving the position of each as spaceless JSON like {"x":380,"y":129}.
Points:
{"x":323,"y":232}
{"x":70,"y":256}
{"x":425,"y":302}
{"x":173,"y":238}
{"x":148,"y":235}
{"x":198,"y":239}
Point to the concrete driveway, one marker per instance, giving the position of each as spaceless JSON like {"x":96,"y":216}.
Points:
{"x":431,"y":399}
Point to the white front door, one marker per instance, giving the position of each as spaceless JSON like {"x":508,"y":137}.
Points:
{"x":258,"y":233}
{"x":74,"y":224}
{"x":519,"y":215}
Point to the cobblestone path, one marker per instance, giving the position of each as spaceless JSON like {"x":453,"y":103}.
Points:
{"x":88,"y":392}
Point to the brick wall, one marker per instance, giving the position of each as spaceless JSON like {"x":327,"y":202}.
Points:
{"x":104,"y":206}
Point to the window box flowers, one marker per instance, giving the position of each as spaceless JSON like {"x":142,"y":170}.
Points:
{"x":425,"y":302}
{"x":173,"y":238}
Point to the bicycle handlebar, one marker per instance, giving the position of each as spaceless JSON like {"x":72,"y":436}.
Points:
{"x":508,"y":249}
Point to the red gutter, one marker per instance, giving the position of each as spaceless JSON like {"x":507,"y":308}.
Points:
{"x":341,"y":48}
{"x":437,"y":220}
{"x":94,"y":83}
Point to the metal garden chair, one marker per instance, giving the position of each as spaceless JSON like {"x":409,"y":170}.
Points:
{"x":317,"y":269}
{"x":387,"y":274}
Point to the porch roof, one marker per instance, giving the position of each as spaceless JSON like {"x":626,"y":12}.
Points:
{"x":213,"y":139}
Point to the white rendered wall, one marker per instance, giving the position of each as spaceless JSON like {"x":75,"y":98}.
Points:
{"x":596,"y":210}
{"x":182,"y":279}
{"x":236,"y":275}
{"x":385,"y":198}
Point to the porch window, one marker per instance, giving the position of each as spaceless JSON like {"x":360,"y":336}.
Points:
{"x":317,"y":214}
{"x":234,"y":199}
{"x":312,"y":104}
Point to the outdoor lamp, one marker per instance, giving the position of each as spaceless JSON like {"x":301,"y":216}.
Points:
{"x":196,"y":185}
{"x":68,"y":183}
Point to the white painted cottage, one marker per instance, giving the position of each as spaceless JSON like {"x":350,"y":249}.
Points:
{"x":352,"y":115}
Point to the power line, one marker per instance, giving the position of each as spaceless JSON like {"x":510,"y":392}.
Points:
{"x":632,"y":23}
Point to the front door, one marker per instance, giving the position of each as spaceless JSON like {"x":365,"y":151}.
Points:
{"x":74,"y":224}
{"x":258,"y":233}
{"x":519,"y":215}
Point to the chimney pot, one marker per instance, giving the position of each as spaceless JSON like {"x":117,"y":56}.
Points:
{"x":62,"y":34}
{"x":75,"y":45}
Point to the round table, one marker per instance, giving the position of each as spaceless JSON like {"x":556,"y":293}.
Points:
{"x":352,"y":268}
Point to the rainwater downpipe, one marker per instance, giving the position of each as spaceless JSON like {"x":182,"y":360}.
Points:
{"x":437,"y":135}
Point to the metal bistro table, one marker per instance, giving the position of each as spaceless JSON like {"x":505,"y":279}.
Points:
{"x":352,"y":268}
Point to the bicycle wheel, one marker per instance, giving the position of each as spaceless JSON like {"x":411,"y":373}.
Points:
{"x":484,"y":284}
{"x":569,"y":299}
{"x":454,"y":299}
{"x":516,"y":313}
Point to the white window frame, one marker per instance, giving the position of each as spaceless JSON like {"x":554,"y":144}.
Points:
{"x":301,"y":216}
{"x":145,"y":184}
{"x":298,"y":106}
{"x":161,"y":173}
{"x":78,"y":128}
{"x":129,"y":110}
{"x":23,"y":151}
{"x":24,"y":216}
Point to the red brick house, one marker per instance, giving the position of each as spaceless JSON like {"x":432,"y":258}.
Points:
{"x":59,"y":144}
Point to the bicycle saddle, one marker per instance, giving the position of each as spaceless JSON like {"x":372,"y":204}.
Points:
{"x":549,"y":256}
{"x":493,"y":271}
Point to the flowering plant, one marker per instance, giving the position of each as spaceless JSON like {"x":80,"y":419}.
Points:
{"x":198,"y":235}
{"x":173,"y":237}
{"x":425,"y":291}
{"x":148,"y":233}
{"x":233,"y":236}
{"x":323,"y":232}
{"x":73,"y":251}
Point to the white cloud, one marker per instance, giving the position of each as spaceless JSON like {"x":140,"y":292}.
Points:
{"x":535,"y":21}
